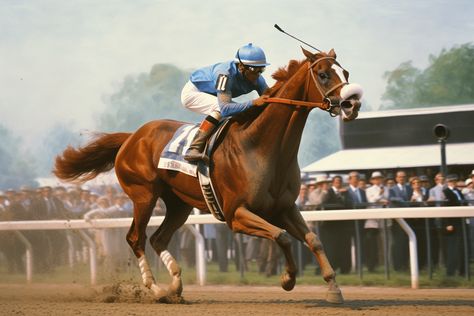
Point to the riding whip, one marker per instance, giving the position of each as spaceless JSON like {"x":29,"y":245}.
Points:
{"x":281,"y":30}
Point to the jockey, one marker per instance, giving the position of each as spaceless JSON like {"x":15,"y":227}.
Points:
{"x":210,"y":91}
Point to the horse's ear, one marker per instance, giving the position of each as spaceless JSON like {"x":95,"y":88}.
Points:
{"x":308,"y":54}
{"x":332,"y":53}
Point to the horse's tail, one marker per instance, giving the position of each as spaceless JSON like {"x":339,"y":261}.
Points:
{"x":85,"y":163}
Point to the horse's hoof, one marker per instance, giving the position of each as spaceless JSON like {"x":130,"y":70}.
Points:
{"x":334,"y":297}
{"x":287,"y":282}
{"x":176,"y":287}
{"x":158,"y":292}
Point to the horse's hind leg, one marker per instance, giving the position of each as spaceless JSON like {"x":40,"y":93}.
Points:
{"x":144,"y":200}
{"x":294,"y":223}
{"x":176,"y":214}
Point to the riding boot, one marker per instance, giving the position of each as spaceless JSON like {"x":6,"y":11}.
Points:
{"x":195,"y":151}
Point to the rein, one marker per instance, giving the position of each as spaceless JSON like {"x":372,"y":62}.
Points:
{"x":322,"y":105}
{"x":325,"y":105}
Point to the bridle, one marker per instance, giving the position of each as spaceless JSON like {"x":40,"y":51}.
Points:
{"x":326,"y":104}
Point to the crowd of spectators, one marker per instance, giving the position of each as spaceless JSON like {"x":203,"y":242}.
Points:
{"x":445,"y":235}
{"x":346,"y":191}
{"x":54,"y":248}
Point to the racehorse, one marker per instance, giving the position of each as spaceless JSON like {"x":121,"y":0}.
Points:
{"x":254,"y":170}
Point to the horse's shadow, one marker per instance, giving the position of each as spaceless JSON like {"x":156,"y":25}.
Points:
{"x":348,"y":304}
{"x":377,"y":303}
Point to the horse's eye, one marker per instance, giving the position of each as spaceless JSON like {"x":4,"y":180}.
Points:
{"x":323,"y":76}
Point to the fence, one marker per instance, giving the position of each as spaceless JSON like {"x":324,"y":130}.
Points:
{"x":399,"y":214}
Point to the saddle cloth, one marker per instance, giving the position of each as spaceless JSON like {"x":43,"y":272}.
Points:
{"x":172,"y":156}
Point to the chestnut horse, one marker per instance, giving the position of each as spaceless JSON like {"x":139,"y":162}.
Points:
{"x":255,"y":170}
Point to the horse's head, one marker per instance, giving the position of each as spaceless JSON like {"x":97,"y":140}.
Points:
{"x":328,"y":82}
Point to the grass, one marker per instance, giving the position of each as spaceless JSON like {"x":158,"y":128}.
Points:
{"x":80,"y":274}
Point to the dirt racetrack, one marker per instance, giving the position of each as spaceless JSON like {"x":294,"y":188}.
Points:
{"x":128,"y":299}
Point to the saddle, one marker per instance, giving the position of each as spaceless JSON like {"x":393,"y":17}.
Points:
{"x":172,"y":158}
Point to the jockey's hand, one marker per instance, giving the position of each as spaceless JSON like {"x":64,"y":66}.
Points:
{"x":260,"y":101}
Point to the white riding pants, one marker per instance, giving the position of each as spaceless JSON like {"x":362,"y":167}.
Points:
{"x":197,"y":101}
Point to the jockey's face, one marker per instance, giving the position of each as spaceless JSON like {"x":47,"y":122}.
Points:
{"x":251,"y":73}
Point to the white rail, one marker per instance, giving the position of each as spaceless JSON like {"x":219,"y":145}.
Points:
{"x":377,"y":213}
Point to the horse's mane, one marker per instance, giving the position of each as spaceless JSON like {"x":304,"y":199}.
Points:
{"x":282,"y":74}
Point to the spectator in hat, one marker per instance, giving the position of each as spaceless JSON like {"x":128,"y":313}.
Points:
{"x":377,"y":196}
{"x":377,"y":193}
{"x":468,"y":191}
{"x":317,"y":197}
{"x":311,"y":184}
{"x":452,"y":230}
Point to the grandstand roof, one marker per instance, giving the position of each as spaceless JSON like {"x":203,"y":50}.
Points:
{"x":393,"y":157}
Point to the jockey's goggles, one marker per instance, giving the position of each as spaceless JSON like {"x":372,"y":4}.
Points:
{"x":255,"y":70}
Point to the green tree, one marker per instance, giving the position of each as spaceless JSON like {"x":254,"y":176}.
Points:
{"x":401,"y":85}
{"x":146,"y":97}
{"x":446,"y":81}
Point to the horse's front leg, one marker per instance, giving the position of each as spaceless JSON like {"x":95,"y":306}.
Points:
{"x":294,"y":223}
{"x":246,"y":222}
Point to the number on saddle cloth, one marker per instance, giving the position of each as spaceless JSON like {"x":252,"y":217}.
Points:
{"x":172,"y":156}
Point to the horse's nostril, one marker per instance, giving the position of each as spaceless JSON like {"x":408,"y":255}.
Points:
{"x":346,"y":104}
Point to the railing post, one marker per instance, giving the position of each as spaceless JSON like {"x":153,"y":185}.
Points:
{"x":465,"y":242}
{"x":413,"y":252}
{"x":28,"y":256}
{"x":386,"y":251}
{"x":92,"y":255}
{"x":200,"y":256}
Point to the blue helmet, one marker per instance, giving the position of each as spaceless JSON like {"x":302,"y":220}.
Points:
{"x":250,"y":55}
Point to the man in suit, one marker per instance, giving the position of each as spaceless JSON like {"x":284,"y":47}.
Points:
{"x":452,"y":230}
{"x":355,"y":199}
{"x":399,"y":196}
{"x":336,"y":235}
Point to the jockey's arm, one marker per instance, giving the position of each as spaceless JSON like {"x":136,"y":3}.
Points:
{"x":229,"y":107}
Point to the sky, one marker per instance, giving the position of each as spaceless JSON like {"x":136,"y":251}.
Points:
{"x":59,"y":60}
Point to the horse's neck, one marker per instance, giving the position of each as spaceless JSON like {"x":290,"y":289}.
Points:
{"x":279,"y":127}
